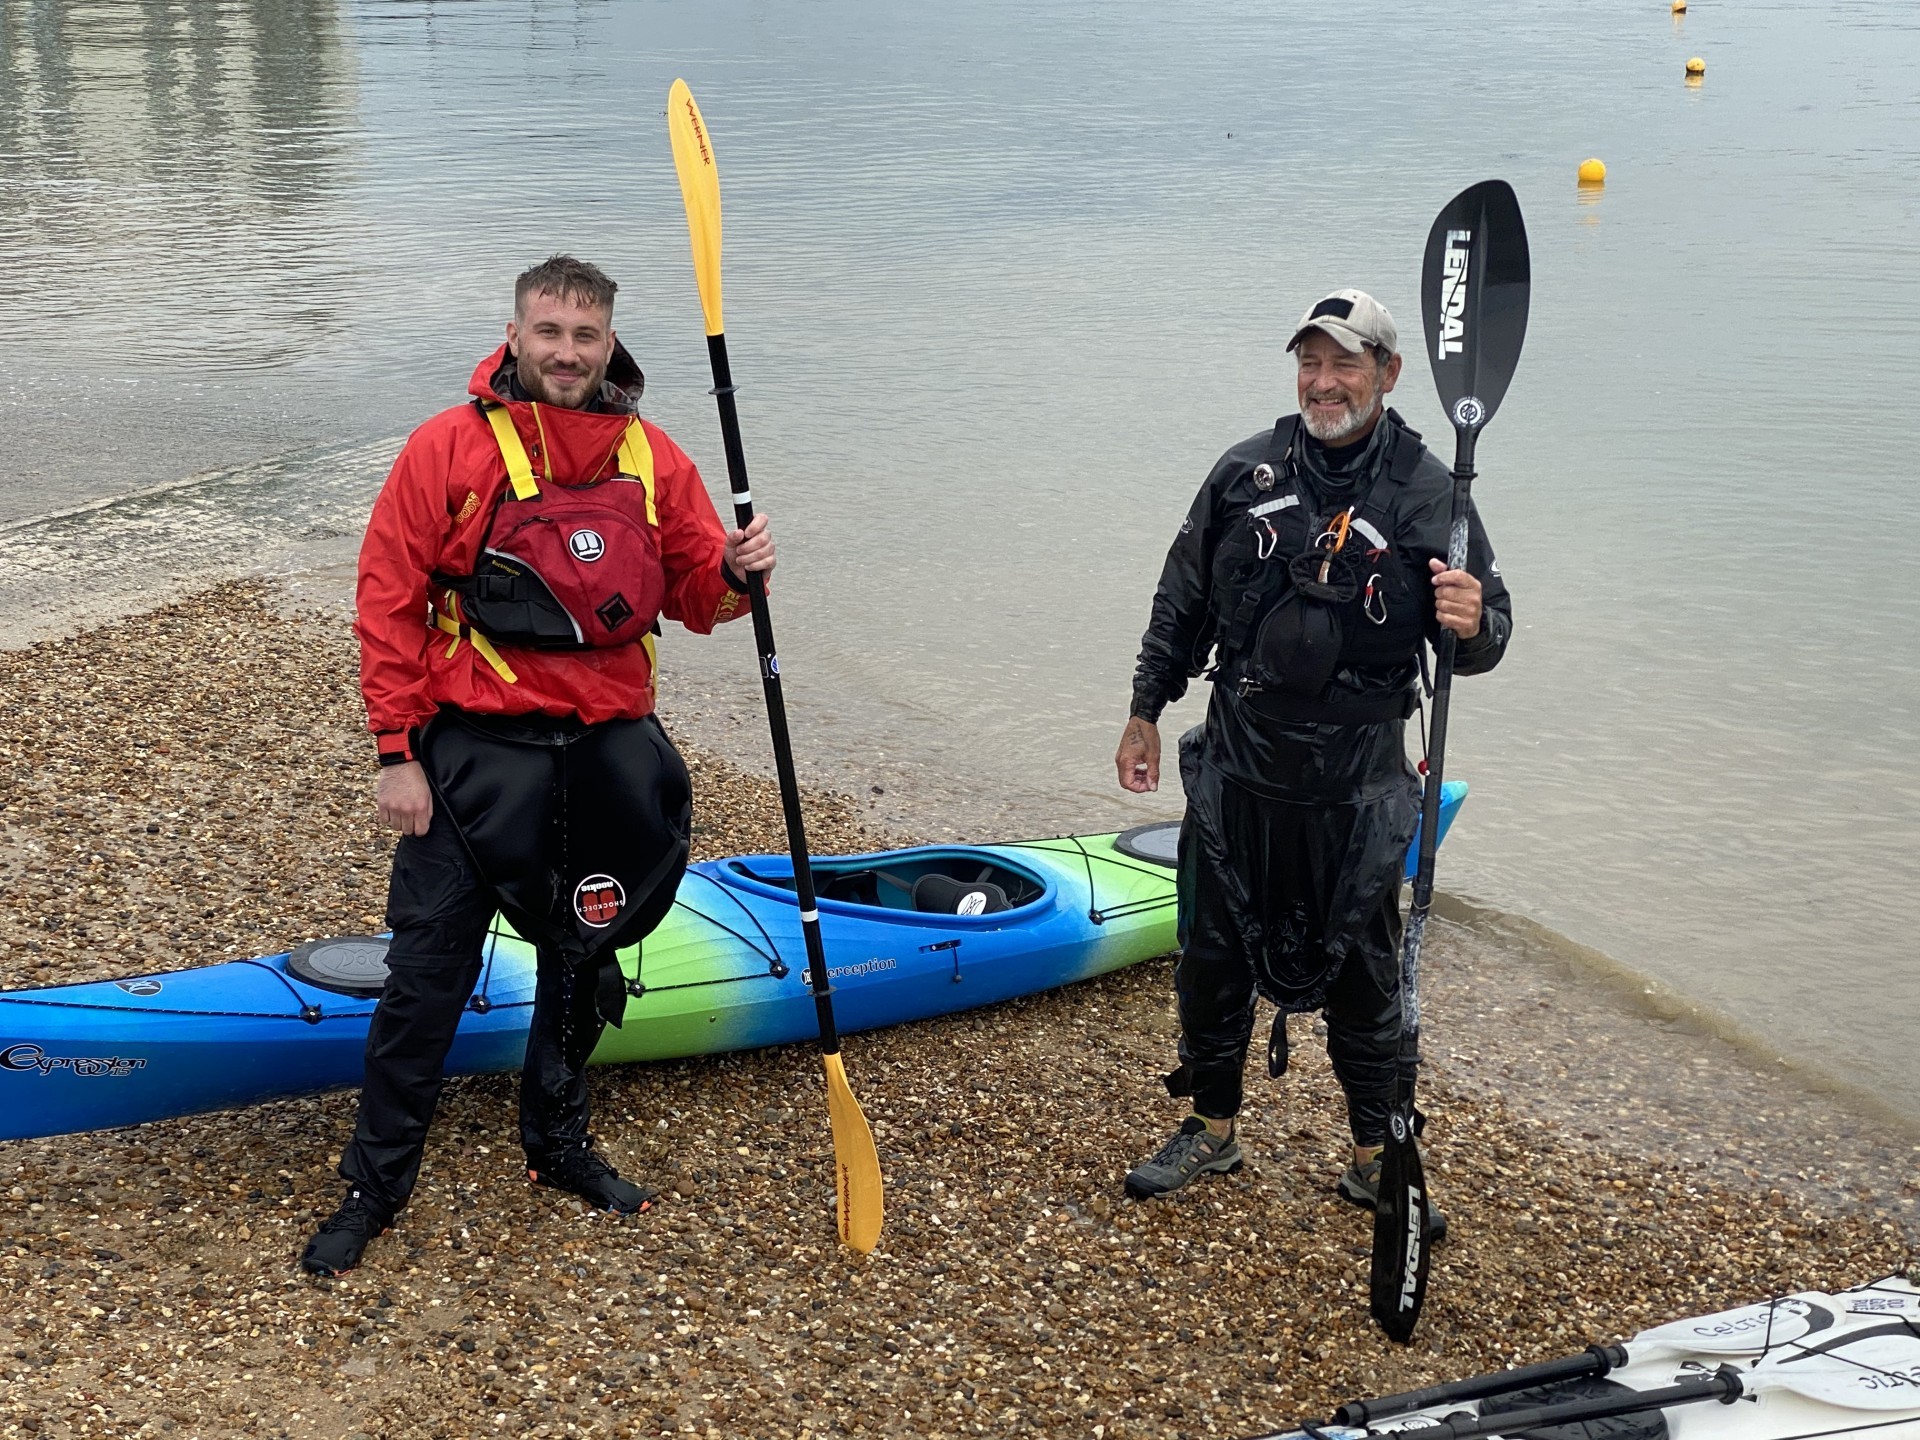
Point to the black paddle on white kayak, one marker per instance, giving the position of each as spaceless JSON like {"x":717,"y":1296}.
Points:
{"x":1839,"y":1365}
{"x":1742,"y":1333}
{"x":856,"y":1162}
{"x":1474,"y":289}
{"x":1875,"y":1371}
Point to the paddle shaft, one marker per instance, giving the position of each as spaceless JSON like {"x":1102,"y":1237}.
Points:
{"x":723,"y":390}
{"x":1463,"y":476}
{"x":1724,"y":1385}
{"x":1402,"y":1228}
{"x":1594,"y":1360}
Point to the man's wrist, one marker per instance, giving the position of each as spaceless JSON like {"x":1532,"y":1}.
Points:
{"x":735,"y":583}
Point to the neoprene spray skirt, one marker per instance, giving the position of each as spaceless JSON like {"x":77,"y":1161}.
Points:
{"x":580,"y":830}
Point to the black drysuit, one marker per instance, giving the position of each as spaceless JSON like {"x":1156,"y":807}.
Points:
{"x":578,"y":834}
{"x":1300,"y":799}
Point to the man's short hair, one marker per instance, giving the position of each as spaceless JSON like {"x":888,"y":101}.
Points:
{"x":566,"y":278}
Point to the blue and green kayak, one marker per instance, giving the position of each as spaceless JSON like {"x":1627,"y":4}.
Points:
{"x":909,"y":934}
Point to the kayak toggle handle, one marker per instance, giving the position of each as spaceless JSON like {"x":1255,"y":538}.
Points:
{"x":954,"y":946}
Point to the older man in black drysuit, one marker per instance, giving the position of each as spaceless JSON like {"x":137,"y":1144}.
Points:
{"x":1313,"y":566}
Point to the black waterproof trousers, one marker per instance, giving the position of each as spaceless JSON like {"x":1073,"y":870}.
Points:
{"x":1217,"y":1000}
{"x":1300,"y":901}
{"x":439,"y":909}
{"x":578,"y":834}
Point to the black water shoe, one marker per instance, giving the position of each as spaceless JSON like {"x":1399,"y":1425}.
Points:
{"x":337,"y":1246}
{"x":1361,"y":1186}
{"x":586,"y":1173}
{"x":1193,"y":1151}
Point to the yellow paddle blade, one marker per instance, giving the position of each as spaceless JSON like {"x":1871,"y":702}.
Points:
{"x":700,"y":189}
{"x":856,"y":1163}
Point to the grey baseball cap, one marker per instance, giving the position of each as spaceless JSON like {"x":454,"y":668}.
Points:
{"x":1352,"y":317}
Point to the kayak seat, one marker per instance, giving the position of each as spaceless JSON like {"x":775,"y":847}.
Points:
{"x":943,"y":895}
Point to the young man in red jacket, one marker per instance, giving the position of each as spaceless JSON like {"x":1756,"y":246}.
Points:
{"x":514,"y":570}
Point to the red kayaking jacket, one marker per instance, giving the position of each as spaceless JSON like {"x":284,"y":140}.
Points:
{"x":431,"y":517}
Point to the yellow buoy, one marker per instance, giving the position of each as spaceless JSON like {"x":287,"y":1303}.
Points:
{"x":1592,"y":172}
{"x":1679,"y":7}
{"x":1696,"y":66}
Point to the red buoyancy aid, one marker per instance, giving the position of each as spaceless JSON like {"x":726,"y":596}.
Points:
{"x":432,"y":517}
{"x":562,"y":567}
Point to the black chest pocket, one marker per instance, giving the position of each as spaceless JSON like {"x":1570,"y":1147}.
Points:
{"x":1391,"y":607}
{"x":1254,"y":550}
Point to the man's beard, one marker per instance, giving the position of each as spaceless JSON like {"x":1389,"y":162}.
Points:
{"x":1343,"y":426}
{"x":541,"y":389}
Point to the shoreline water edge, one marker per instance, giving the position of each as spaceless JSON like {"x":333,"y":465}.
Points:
{"x":191,"y":784}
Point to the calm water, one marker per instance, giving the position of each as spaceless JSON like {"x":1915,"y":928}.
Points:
{"x":1002,"y":280}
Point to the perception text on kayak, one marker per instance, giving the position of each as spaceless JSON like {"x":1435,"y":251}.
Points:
{"x":865,"y":967}
{"x":32,"y":1057}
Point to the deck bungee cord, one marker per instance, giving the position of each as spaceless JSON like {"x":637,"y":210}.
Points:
{"x":1095,"y":912}
{"x":777,"y":966}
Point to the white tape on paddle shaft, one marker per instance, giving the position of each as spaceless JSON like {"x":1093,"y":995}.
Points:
{"x":1748,"y":1330}
{"x":809,"y":917}
{"x":743,"y":497}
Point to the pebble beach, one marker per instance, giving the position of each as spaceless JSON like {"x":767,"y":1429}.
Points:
{"x":194,"y":784}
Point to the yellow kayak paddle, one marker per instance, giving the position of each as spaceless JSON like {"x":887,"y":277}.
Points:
{"x":856,"y":1162}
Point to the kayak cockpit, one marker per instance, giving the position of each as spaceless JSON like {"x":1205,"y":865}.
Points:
{"x":953,"y":883}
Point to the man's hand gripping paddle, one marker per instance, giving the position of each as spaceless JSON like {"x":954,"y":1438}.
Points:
{"x":856,"y":1161}
{"x":1473,"y":295}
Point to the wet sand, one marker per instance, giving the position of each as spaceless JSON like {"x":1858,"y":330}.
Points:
{"x":195,"y":784}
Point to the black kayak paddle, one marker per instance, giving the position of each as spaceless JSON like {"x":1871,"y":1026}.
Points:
{"x":1474,"y":288}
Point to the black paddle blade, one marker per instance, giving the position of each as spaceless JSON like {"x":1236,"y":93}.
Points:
{"x":1473,"y":295}
{"x":1402,"y":1225}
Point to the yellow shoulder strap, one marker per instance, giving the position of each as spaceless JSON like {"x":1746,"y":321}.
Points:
{"x":636,"y":459}
{"x":519,"y":468}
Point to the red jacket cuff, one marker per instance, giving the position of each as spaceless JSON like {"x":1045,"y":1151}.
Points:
{"x":396,"y":747}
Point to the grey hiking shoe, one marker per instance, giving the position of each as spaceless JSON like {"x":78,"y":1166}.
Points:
{"x":1361,"y":1186}
{"x":1193,"y":1150}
